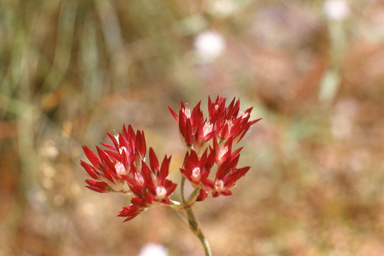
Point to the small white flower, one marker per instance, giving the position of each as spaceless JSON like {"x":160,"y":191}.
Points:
{"x":209,"y":45}
{"x":336,"y":9}
{"x":49,"y":149}
{"x":152,"y":249}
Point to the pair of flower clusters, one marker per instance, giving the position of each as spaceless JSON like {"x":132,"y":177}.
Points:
{"x":122,"y":167}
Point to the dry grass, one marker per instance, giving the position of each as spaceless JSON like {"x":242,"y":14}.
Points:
{"x":71,"y":70}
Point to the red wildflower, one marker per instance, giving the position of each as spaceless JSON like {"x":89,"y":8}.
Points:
{"x":158,"y":188}
{"x":226,"y":177}
{"x":229,"y":122}
{"x":194,"y":131}
{"x":224,"y":127}
{"x":223,"y":123}
{"x":121,"y":168}
{"x":131,"y":211}
{"x":197,"y":170}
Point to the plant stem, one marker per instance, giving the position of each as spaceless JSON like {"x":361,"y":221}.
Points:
{"x":193,"y":224}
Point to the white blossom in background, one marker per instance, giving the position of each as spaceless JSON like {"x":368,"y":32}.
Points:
{"x":209,"y":45}
{"x":336,"y":9}
{"x":49,"y":149}
{"x":223,"y":7}
{"x":152,"y":249}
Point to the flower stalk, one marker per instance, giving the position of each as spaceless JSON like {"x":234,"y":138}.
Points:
{"x":193,"y":223}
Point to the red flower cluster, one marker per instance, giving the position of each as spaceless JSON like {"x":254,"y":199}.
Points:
{"x":225,"y":127}
{"x":223,"y":123}
{"x":122,"y":168}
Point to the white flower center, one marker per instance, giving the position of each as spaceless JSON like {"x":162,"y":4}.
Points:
{"x":207,"y":128}
{"x":196,"y":174}
{"x":187,"y":112}
{"x":230,"y":124}
{"x":222,"y":152}
{"x":139,"y":179}
{"x":161,"y":193}
{"x":117,"y":139}
{"x":219,"y":185}
{"x":123,"y":149}
{"x":242,"y":114}
{"x":120,"y":169}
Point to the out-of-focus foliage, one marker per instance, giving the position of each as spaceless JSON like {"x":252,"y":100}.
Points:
{"x":313,"y":70}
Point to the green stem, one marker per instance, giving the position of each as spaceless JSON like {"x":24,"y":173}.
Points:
{"x":192,"y":197}
{"x":193,"y":224}
{"x":182,"y":188}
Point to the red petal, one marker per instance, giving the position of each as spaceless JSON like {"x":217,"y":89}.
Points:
{"x":130,"y":211}
{"x":140,"y":144}
{"x":203,"y":194}
{"x":98,"y":186}
{"x":182,"y":105}
{"x":241,"y":172}
{"x":104,"y":157}
{"x":188,"y":136}
{"x":89,"y":169}
{"x":208,"y":184}
{"x":233,"y":162}
{"x":186,"y":173}
{"x":153,"y":161}
{"x":255,"y":121}
{"x":139,"y":202}
{"x":164,"y":169}
{"x":226,"y":192}
{"x":114,"y":141}
{"x":196,"y":111}
{"x":173,"y":113}
{"x":210,"y":160}
{"x":170,"y":187}
{"x":131,"y":133}
{"x":92,"y":157}
{"x":224,"y":132}
{"x":108,"y":146}
{"x":147,"y":175}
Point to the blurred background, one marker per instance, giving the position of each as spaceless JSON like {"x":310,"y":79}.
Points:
{"x":313,"y":70}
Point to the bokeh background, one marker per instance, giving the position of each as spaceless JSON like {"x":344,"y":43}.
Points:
{"x":313,"y":70}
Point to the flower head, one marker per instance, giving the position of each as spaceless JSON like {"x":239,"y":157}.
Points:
{"x":122,"y":168}
{"x":226,"y":177}
{"x":223,"y":123}
{"x":217,"y":134}
{"x":196,"y":169}
{"x":229,"y":122}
